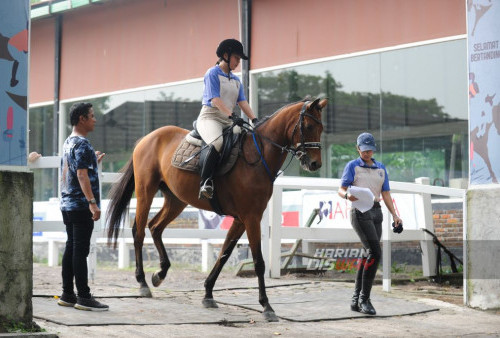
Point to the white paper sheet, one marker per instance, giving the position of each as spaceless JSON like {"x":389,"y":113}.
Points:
{"x":365,"y":198}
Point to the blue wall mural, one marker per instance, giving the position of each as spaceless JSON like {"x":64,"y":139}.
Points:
{"x":14,"y":25}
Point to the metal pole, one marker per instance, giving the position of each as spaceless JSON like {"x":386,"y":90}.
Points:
{"x":246,"y":24}
{"x":57,"y":77}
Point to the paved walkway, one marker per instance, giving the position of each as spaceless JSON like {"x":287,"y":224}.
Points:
{"x":305,"y":307}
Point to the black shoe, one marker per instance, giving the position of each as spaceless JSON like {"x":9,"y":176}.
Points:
{"x":354,"y":304}
{"x":366,"y":307}
{"x":90,"y":304}
{"x":67,"y":299}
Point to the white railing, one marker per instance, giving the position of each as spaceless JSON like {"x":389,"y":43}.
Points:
{"x":205,"y":237}
{"x":421,"y":187}
{"x":273,"y":234}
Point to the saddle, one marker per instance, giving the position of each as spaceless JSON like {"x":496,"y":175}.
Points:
{"x":191,"y":151}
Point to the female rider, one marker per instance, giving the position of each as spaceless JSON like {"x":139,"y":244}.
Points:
{"x":222,"y":91}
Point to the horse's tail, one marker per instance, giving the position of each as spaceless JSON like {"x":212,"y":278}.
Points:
{"x":119,"y":196}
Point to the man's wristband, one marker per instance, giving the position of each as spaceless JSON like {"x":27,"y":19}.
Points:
{"x":345,"y":196}
{"x":92,"y":201}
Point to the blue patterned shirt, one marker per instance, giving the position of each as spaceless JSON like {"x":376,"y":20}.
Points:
{"x":77,"y":154}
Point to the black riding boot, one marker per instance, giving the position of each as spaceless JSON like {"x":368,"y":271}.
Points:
{"x":365,"y":306}
{"x":207,"y":172}
{"x":357,"y":288}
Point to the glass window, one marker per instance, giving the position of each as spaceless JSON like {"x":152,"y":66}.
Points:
{"x":41,"y":139}
{"x":412,"y":100}
{"x":425,"y":113}
{"x":122,"y":119}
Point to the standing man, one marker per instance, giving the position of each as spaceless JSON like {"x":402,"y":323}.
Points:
{"x":80,"y":207}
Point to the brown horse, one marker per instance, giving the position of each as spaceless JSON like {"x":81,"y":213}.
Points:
{"x":243,"y":192}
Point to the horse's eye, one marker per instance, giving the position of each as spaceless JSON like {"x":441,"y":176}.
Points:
{"x":309,"y":127}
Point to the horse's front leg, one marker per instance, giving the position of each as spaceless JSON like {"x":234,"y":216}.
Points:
{"x":233,"y":235}
{"x":139,"y":268}
{"x":159,"y":276}
{"x":254,"y":239}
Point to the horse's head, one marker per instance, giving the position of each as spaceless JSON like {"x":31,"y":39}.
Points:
{"x":305,"y":137}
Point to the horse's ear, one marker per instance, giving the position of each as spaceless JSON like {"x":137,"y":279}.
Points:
{"x":318,"y":103}
{"x":314,"y":104}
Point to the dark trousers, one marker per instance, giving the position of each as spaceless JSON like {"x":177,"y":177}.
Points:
{"x":79,"y":227}
{"x":368,"y":226}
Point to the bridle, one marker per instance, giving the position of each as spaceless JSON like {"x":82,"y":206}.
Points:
{"x":299,"y":151}
{"x":300,"y":148}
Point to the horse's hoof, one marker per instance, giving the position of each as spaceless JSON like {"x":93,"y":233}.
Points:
{"x":270,"y":316}
{"x":145,"y":292}
{"x":156,"y":280}
{"x":210,"y":303}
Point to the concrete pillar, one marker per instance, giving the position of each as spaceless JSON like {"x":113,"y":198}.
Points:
{"x":16,"y":247}
{"x":482,"y":248}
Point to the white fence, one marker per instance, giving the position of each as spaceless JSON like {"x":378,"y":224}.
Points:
{"x":273,"y":234}
{"x":421,"y":187}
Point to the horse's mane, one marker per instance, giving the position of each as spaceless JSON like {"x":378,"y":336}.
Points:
{"x":268,"y":117}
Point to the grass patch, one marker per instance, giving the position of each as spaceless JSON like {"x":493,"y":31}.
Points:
{"x":20,"y":327}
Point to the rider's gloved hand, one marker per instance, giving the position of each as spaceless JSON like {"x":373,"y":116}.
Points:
{"x":237,"y":120}
{"x":255,"y":121}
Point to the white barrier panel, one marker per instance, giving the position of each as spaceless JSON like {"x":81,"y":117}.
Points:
{"x":273,"y":233}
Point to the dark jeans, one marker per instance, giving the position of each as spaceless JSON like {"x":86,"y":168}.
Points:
{"x":79,"y":227}
{"x":368,"y":226}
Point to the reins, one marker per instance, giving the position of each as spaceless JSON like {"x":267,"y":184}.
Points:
{"x":298,"y":151}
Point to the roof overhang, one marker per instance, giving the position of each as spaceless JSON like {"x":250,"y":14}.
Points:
{"x":50,"y":7}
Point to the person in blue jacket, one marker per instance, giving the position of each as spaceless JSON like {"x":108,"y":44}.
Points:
{"x":222,"y":92}
{"x":366,"y":172}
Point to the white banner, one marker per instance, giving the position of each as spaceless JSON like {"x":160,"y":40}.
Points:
{"x":335,"y":211}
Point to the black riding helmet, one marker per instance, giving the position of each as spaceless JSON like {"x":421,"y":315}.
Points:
{"x":230,"y":46}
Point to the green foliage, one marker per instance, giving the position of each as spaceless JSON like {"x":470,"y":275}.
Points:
{"x":37,"y":259}
{"x":405,"y":166}
{"x":398,"y":268}
{"x":447,"y":270}
{"x":340,"y":155}
{"x":19,"y":327}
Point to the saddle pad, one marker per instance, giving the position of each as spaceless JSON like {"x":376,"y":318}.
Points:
{"x":185,"y":150}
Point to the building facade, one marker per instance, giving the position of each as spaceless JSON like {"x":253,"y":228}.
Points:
{"x":397,"y":69}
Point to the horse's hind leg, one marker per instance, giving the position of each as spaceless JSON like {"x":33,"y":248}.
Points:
{"x":139,"y":267}
{"x":172,"y":207}
{"x":233,"y":235}
{"x":145,"y":189}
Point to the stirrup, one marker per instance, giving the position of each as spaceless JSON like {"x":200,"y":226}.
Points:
{"x":206,"y":190}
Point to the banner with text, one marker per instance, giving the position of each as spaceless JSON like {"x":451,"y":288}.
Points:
{"x":483,"y":29}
